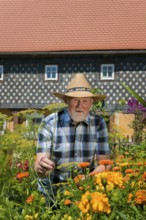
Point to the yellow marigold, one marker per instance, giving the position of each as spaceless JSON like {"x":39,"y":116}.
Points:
{"x":140,"y":197}
{"x":125,"y":164}
{"x":130,"y":197}
{"x":106,"y":162}
{"x":67,"y":193}
{"x":83,"y":164}
{"x":84,"y":204}
{"x":95,"y":201}
{"x":116,"y":178}
{"x":99,"y":203}
{"x":22,"y":175}
{"x":109,"y":178}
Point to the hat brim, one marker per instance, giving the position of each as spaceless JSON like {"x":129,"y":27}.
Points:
{"x":77,"y":94}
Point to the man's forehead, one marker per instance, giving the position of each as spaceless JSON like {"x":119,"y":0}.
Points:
{"x":81,"y":98}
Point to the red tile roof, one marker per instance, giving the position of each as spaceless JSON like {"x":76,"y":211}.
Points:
{"x":72,"y":25}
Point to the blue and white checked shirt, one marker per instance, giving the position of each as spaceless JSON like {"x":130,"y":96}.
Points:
{"x":67,"y":143}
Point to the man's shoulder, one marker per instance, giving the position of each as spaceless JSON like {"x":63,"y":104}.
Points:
{"x":54,"y":116}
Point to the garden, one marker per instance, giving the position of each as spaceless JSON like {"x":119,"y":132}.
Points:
{"x":119,"y":194}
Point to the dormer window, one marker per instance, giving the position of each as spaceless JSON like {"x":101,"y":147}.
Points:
{"x":1,"y":72}
{"x":51,"y":72}
{"x":107,"y":72}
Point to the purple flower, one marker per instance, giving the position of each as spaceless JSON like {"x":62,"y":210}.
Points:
{"x":135,"y":107}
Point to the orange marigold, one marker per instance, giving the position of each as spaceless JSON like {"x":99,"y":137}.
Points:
{"x":22,"y":175}
{"x":129,"y":171}
{"x":83,"y":164}
{"x":116,"y":168}
{"x":140,"y":163}
{"x":67,"y":202}
{"x":78,"y":178}
{"x":140,"y":197}
{"x":106,"y":162}
{"x":29,"y":199}
{"x":144,"y":176}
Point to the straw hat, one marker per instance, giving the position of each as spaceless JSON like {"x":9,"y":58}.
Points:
{"x":79,"y":87}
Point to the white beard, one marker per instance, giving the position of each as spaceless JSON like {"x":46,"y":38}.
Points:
{"x":78,"y":116}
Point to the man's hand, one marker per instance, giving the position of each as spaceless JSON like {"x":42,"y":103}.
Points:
{"x":43,"y":165}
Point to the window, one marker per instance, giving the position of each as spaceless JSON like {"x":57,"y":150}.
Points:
{"x":1,"y":73}
{"x":107,"y":72}
{"x":51,"y":72}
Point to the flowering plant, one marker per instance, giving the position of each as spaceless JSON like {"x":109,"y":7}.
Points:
{"x":109,"y":195}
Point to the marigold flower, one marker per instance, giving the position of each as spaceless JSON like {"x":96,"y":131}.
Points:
{"x":129,"y":171}
{"x":67,"y":193}
{"x":84,"y":204}
{"x":81,"y":188}
{"x":140,"y":163}
{"x":144,"y":176}
{"x":140,"y":197}
{"x":67,"y":202}
{"x":126,"y":164}
{"x":111,"y":178}
{"x":78,"y":178}
{"x":97,"y":202}
{"x":100,"y":202}
{"x":22,"y":175}
{"x":106,"y":162}
{"x":116,"y":168}
{"x":29,"y":199}
{"x":130,"y":197}
{"x":83,"y":164}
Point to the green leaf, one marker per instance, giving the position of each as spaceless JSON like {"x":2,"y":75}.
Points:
{"x":132,"y":92}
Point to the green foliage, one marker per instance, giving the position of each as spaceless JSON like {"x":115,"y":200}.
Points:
{"x":133,"y":93}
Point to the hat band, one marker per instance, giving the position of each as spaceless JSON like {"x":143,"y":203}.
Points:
{"x":79,"y":89}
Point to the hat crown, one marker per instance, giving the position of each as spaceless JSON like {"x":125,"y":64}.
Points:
{"x":78,"y":80}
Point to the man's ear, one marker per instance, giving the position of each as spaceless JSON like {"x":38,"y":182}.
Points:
{"x":65,"y":100}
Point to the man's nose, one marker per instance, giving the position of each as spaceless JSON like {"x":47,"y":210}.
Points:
{"x":79,"y":103}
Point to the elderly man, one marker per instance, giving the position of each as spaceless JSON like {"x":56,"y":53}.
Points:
{"x":72,"y":135}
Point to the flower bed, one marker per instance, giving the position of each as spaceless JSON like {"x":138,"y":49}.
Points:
{"x":110,"y":195}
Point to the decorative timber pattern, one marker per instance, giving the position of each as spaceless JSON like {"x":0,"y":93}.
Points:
{"x":24,"y":84}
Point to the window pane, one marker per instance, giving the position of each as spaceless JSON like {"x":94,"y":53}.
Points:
{"x":110,"y":68}
{"x":104,"y":68}
{"x":110,"y":74}
{"x":104,"y":74}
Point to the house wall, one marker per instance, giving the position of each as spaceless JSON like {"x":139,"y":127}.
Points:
{"x":123,"y":124}
{"x":24,"y":84}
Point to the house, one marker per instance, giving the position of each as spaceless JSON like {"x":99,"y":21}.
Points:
{"x":43,"y":43}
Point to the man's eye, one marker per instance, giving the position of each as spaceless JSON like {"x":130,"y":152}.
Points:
{"x":86,"y":101}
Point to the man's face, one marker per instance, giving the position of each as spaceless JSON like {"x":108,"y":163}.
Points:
{"x":79,"y":108}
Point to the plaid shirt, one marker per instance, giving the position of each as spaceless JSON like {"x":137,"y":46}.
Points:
{"x":67,"y":143}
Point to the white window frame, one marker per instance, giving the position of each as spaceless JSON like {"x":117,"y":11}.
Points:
{"x":51,"y":78}
{"x":1,"y":72}
{"x":107,"y":77}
